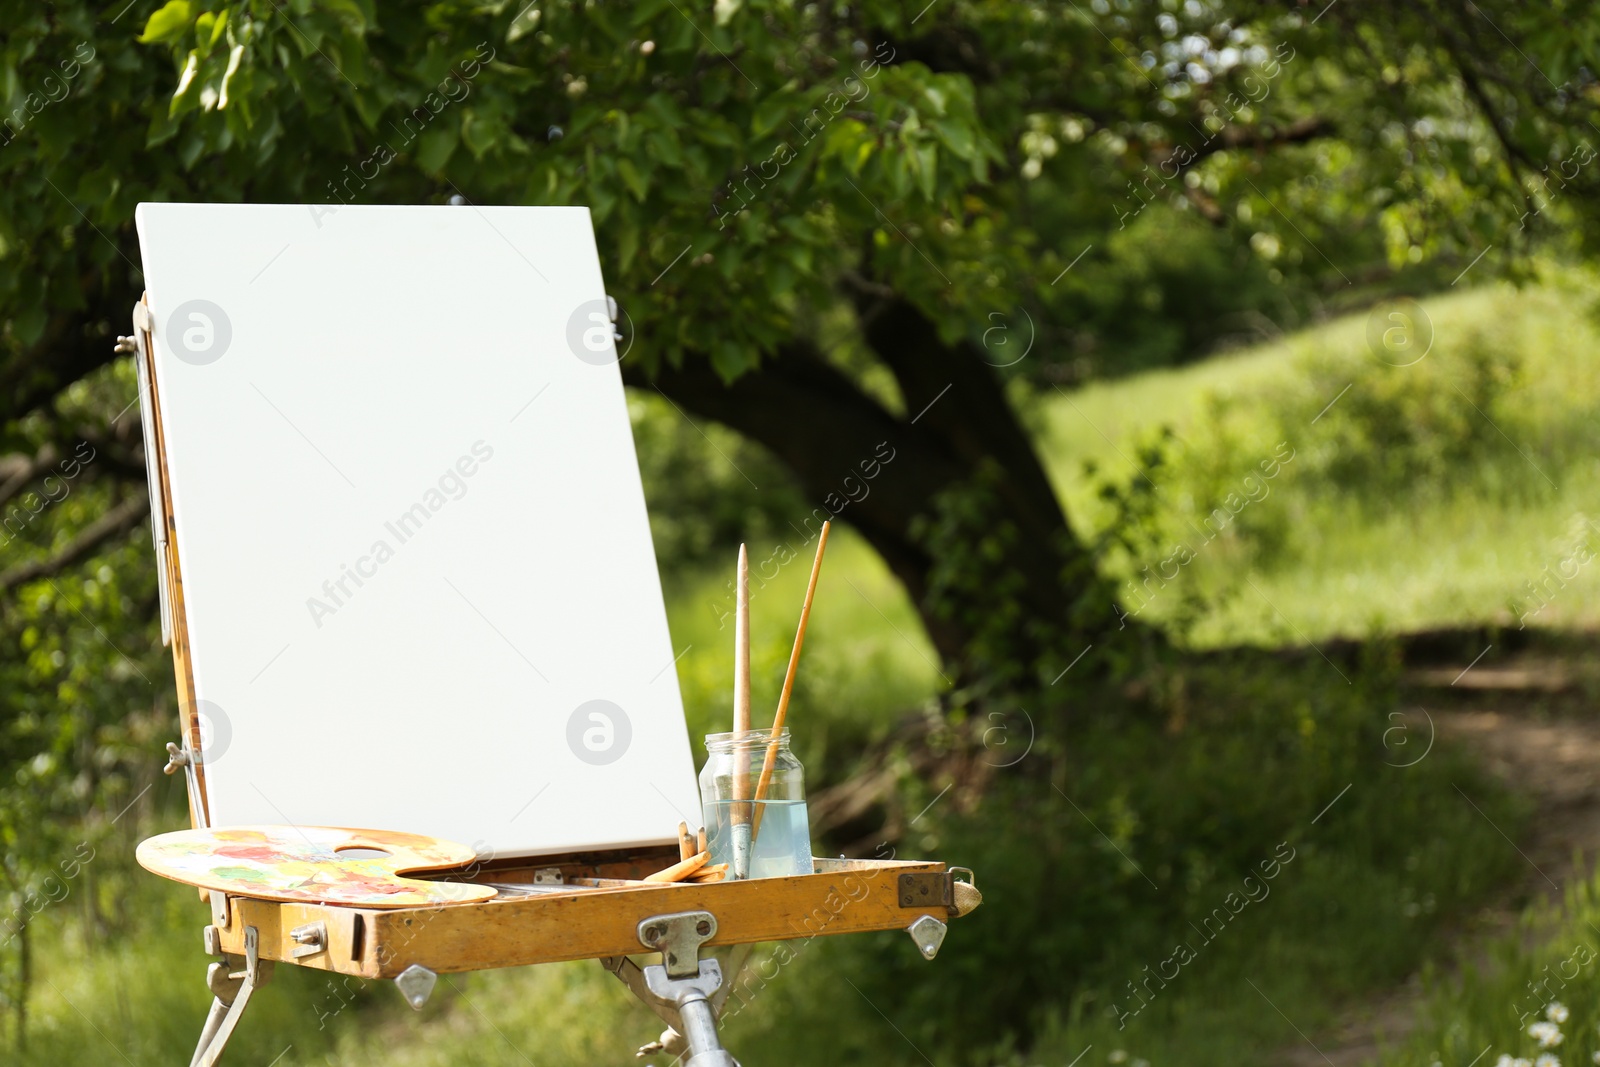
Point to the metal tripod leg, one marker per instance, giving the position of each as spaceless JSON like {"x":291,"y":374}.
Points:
{"x":696,"y":1019}
{"x":231,"y":990}
{"x":684,"y":990}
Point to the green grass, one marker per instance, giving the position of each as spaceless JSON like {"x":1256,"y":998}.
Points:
{"x":140,"y":1000}
{"x":1553,"y":957}
{"x":1452,"y":548}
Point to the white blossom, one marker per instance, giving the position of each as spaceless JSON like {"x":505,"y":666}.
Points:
{"x":1547,"y":1034}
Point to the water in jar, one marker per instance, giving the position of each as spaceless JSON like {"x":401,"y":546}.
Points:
{"x":782,"y":843}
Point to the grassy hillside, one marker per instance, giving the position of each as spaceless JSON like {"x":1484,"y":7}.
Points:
{"x":1425,"y":495}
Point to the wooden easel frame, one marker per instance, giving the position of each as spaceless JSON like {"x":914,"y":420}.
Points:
{"x":608,"y":924}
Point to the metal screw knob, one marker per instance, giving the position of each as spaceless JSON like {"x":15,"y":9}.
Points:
{"x":176,"y":758}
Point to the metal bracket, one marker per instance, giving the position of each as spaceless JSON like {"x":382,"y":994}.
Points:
{"x":309,"y":939}
{"x":678,"y":938}
{"x":220,"y":916}
{"x":928,"y":933}
{"x":927,"y":889}
{"x":736,"y":960}
{"x":231,"y":991}
{"x":548,"y":876}
{"x":631,"y":975}
{"x":416,"y":984}
{"x":192,"y":781}
{"x":684,"y":990}
{"x":138,"y":346}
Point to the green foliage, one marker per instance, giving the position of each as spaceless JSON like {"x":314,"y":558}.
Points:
{"x":1408,"y":429}
{"x":707,"y":488}
{"x":781,"y":150}
{"x":84,"y":684}
{"x":970,"y":584}
{"x":1169,"y":288}
{"x":1544,"y":971}
{"x":1487,"y":441}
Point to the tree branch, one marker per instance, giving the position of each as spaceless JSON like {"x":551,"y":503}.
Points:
{"x":17,"y":470}
{"x":117,"y":521}
{"x":1301,"y":130}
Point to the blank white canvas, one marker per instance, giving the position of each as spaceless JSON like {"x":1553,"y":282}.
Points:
{"x":439,"y":365}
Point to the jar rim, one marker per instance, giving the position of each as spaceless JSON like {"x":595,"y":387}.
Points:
{"x":731,"y":738}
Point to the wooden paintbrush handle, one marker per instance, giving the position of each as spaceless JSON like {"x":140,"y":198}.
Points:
{"x":771,"y":761}
{"x":680,"y":870}
{"x":741,"y":690}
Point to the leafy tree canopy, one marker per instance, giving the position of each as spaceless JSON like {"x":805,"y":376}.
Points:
{"x":749,"y":162}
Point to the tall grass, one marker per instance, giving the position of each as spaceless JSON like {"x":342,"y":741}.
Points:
{"x":1545,"y":972}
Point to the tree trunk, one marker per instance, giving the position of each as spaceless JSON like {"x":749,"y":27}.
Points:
{"x":960,"y":507}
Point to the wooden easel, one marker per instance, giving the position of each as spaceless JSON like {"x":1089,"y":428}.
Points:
{"x":414,"y":945}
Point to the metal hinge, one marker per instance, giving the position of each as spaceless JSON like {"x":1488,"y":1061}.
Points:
{"x":927,"y":889}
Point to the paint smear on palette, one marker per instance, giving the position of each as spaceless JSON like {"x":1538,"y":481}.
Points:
{"x":308,"y":864}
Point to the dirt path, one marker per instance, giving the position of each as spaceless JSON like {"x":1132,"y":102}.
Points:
{"x":1533,"y":723}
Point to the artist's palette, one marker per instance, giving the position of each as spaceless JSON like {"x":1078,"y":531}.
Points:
{"x":313,"y":864}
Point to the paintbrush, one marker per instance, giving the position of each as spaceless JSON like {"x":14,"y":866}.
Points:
{"x":770,"y":762}
{"x":680,"y":870}
{"x":740,"y":814}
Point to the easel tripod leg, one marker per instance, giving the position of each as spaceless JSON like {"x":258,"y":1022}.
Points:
{"x":700,"y":1031}
{"x":231,"y":991}
{"x":683,"y":989}
{"x":208,"y":1033}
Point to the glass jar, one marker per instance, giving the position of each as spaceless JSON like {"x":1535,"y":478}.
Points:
{"x":769,"y":837}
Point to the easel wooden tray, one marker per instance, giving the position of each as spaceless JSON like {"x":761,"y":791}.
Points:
{"x":841,"y":897}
